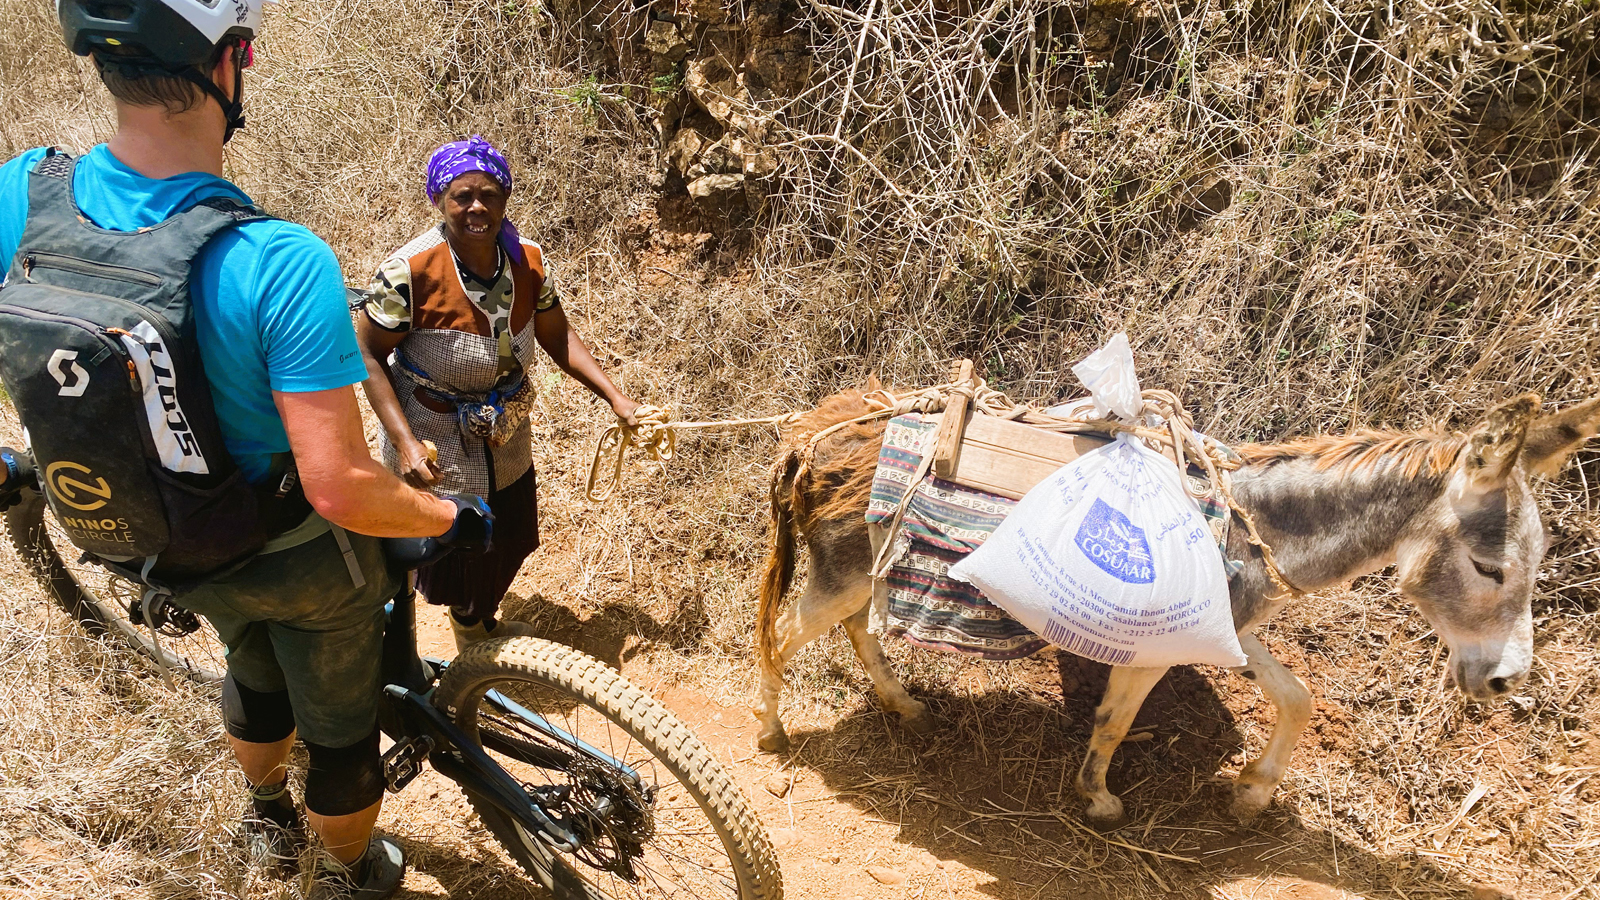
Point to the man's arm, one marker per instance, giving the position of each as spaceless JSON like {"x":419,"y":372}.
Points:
{"x":344,"y":483}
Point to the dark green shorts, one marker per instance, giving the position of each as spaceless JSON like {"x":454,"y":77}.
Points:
{"x":293,"y":621}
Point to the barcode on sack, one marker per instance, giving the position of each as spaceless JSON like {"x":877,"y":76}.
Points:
{"x":1077,"y":643}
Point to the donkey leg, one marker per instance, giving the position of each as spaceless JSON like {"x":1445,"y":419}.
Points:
{"x":1255,"y":785}
{"x":913,"y":713}
{"x":1125,"y":693}
{"x":807,"y":619}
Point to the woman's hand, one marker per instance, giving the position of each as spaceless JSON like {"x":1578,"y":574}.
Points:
{"x":418,"y":466}
{"x":627,"y":410}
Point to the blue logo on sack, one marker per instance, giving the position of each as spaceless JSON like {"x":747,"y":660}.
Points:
{"x":1116,"y":545}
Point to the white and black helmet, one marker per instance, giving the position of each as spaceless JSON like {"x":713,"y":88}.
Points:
{"x":177,"y":37}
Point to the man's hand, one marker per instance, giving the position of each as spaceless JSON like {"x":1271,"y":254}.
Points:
{"x":471,"y":532}
{"x":16,"y":473}
{"x":473,"y":529}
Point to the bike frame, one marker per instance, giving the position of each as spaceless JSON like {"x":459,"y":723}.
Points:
{"x":420,"y":730}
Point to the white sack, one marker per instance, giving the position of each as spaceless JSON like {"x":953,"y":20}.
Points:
{"x":1111,"y":559}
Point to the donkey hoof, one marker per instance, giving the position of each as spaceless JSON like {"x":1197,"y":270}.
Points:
{"x":920,"y":723}
{"x":1106,"y":813}
{"x":1249,"y":800}
{"x":775,"y":742}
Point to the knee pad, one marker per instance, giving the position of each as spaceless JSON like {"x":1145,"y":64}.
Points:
{"x":344,"y":780}
{"x":256,"y":717}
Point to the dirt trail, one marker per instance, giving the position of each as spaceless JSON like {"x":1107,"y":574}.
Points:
{"x":860,"y":809}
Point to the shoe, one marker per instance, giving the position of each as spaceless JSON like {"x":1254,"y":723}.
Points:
{"x":273,"y":836}
{"x":467,"y":635}
{"x":375,"y":876}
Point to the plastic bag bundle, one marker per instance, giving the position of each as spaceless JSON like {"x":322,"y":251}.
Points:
{"x":1112,"y":382}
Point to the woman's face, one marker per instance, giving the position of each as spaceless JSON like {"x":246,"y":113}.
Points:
{"x":473,"y":205}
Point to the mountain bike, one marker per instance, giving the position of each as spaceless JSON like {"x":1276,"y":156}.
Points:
{"x":594,"y":788}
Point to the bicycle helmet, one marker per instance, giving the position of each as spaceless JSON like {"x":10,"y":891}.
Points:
{"x":163,"y":37}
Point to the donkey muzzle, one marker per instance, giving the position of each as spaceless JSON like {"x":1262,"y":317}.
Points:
{"x":1488,"y":679}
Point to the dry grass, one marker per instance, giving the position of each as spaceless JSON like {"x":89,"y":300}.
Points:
{"x":1413,"y":234}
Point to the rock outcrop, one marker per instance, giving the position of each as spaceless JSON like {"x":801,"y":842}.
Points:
{"x":711,"y":68}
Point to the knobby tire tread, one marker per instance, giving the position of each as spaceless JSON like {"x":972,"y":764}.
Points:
{"x":29,"y":537}
{"x":652,"y":724}
{"x":25,"y":528}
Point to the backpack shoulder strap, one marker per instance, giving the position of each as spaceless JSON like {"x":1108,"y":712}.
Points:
{"x":55,"y":164}
{"x":50,"y":184}
{"x":234,"y":210}
{"x":214,"y":215}
{"x":50,"y":204}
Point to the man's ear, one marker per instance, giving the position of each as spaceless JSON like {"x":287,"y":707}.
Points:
{"x":1551,"y":439}
{"x":223,"y":73}
{"x":1494,"y":444}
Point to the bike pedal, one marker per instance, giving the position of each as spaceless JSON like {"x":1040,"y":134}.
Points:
{"x":404,"y":761}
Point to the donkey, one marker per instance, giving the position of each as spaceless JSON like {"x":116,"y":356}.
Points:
{"x":1454,"y":513}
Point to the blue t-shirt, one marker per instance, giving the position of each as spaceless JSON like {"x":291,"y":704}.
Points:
{"x":268,"y":296}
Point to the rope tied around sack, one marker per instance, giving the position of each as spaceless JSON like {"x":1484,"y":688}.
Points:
{"x":1175,"y":439}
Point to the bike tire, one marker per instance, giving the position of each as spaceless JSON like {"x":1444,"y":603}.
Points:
{"x":96,"y":598}
{"x":583,"y":680}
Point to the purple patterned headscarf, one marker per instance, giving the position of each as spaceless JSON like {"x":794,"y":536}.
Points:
{"x":457,"y":158}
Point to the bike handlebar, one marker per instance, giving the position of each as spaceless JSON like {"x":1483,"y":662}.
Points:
{"x":414,"y":552}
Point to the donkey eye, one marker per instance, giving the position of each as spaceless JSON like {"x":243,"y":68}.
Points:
{"x":1490,"y":572}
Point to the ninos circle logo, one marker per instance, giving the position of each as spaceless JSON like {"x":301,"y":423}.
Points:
{"x":67,"y":480}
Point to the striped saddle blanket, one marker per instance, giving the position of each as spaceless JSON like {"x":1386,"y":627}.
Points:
{"x":917,"y":600}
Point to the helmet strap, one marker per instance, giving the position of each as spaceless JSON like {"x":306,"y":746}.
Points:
{"x":232,"y":108}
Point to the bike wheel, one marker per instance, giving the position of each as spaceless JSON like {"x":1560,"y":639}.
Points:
{"x":103,"y":603}
{"x":680,"y":828}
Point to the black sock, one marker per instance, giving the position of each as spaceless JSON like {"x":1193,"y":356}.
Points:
{"x":273,"y":803}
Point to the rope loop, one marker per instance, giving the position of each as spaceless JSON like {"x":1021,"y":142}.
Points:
{"x":656,"y":434}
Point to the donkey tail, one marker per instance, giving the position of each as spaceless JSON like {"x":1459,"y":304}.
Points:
{"x":779,"y":572}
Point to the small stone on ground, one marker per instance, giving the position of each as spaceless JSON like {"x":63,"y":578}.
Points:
{"x":884,"y":875}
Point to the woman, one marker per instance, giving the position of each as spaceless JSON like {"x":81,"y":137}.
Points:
{"x":448,"y":336}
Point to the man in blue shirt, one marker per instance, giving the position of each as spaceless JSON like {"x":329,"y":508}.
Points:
{"x":281,"y":357}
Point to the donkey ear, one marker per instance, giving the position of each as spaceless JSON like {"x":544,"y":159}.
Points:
{"x":873,"y":384}
{"x":1551,"y":439}
{"x":1493,"y":446}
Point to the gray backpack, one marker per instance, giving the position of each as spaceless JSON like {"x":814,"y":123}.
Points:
{"x":98,"y":354}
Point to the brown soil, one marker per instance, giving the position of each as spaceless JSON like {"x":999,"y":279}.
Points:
{"x":861,"y":809}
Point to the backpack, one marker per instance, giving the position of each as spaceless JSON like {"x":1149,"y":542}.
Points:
{"x":98,"y":354}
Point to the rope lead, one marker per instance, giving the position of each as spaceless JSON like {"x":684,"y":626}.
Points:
{"x":657,"y":435}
